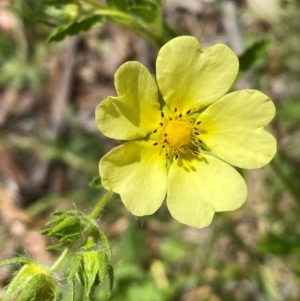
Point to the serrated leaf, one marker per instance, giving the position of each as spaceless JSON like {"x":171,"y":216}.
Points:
{"x":249,"y":57}
{"x":118,"y":4}
{"x":76,"y":27}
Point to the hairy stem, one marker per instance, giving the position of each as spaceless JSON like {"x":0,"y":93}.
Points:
{"x":99,"y":206}
{"x":60,"y":259}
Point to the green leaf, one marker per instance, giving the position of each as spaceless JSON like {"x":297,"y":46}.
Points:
{"x":167,"y":32}
{"x":96,"y":183}
{"x":147,"y":13}
{"x":254,"y":52}
{"x":280,"y":244}
{"x":118,"y":4}
{"x":77,"y":27}
{"x":148,"y":10}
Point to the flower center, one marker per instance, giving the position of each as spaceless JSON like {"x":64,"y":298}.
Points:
{"x":178,"y":132}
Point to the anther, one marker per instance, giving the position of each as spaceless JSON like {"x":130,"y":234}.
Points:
{"x":188,"y":112}
{"x":195,"y":152}
{"x":191,"y":121}
{"x":180,"y":115}
{"x":162,"y":114}
{"x":170,"y":119}
{"x":155,"y":143}
{"x":176,"y":157}
{"x":163,"y":146}
{"x":175,"y":110}
{"x":200,"y":141}
{"x":167,"y":154}
{"x":165,"y":140}
{"x":154,"y":131}
{"x":182,"y":149}
{"x":161,"y":124}
{"x":165,"y":134}
{"x":198,"y":122}
{"x":196,"y":133}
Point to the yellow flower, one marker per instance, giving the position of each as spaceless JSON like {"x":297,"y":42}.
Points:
{"x":180,"y":133}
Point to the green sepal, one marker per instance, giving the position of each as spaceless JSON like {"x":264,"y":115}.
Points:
{"x":16,"y":261}
{"x":74,"y":226}
{"x":90,"y":268}
{"x":68,"y":227}
{"x":76,"y":27}
{"x":110,"y":273}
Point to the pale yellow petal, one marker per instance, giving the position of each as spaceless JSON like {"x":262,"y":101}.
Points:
{"x":136,"y":111}
{"x":232,"y":128}
{"x":198,"y":187}
{"x":191,"y":78}
{"x":137,"y":171}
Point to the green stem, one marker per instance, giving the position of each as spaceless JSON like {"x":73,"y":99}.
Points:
{"x":60,"y":259}
{"x":93,"y":215}
{"x":133,"y":23}
{"x":94,"y":3}
{"x":99,"y":206}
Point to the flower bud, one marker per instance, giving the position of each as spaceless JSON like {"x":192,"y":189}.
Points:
{"x":33,"y":282}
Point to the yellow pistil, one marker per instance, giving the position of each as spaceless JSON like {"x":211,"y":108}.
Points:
{"x":178,"y":132}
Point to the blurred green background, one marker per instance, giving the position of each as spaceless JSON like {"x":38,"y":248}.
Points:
{"x":50,"y":147}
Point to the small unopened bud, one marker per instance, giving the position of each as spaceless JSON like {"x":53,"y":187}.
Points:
{"x":33,"y":282}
